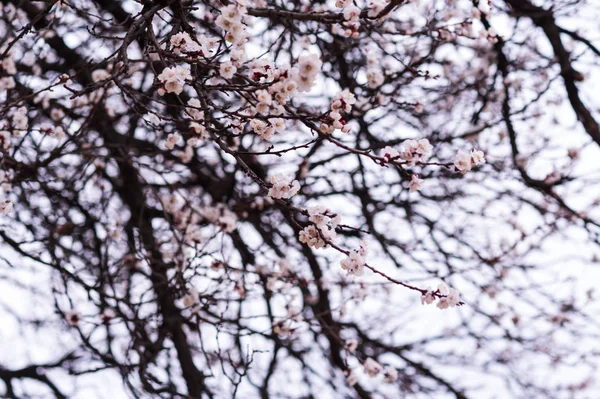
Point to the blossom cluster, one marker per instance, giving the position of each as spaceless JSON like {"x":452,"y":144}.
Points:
{"x":283,"y":187}
{"x":419,"y":151}
{"x":448,"y":297}
{"x":416,"y":151}
{"x":465,"y":161}
{"x":322,"y":230}
{"x":351,"y":15}
{"x":173,"y":79}
{"x":413,"y":151}
{"x":373,"y":368}
{"x":342,"y":102}
{"x":231,"y":21}
{"x":355,"y":262}
{"x":20,"y":121}
{"x":266,"y":129}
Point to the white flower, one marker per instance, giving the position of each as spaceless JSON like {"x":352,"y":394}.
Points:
{"x":194,"y":110}
{"x":183,"y":42}
{"x":258,"y":125}
{"x":153,"y":119}
{"x":171,"y":140}
{"x":8,"y":64}
{"x":278,"y":124}
{"x":450,"y":298}
{"x":477,"y":157}
{"x":389,"y":153}
{"x":351,"y":345}
{"x":390,"y":373}
{"x":7,"y":82}
{"x":343,"y":3}
{"x":262,"y":108}
{"x":428,"y":297}
{"x":263,"y":96}
{"x":343,"y":101}
{"x":200,"y":131}
{"x":304,"y":83}
{"x":6,"y":207}
{"x":355,"y":261}
{"x":228,"y":220}
{"x":484,"y":6}
{"x":237,"y":34}
{"x":416,"y":151}
{"x":453,"y":297}
{"x":317,"y":215}
{"x":310,"y":236}
{"x":227,"y":70}
{"x":443,"y":289}
{"x":376,"y":6}
{"x":415,"y":183}
{"x":375,"y":78}
{"x":443,"y":303}
{"x":372,"y":368}
{"x":173,"y":78}
{"x":183,"y":72}
{"x":283,"y":187}
{"x":463,"y":162}
{"x":20,"y":121}
{"x":309,"y":65}
{"x":351,"y":13}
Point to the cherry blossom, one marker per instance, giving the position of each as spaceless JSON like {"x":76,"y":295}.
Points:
{"x":283,"y":187}
{"x":372,"y":367}
{"x":416,"y":151}
{"x":174,"y":78}
{"x":355,"y":261}
{"x":415,"y":183}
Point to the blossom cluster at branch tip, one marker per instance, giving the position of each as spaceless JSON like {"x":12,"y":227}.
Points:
{"x":448,"y":297}
{"x":465,"y":161}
